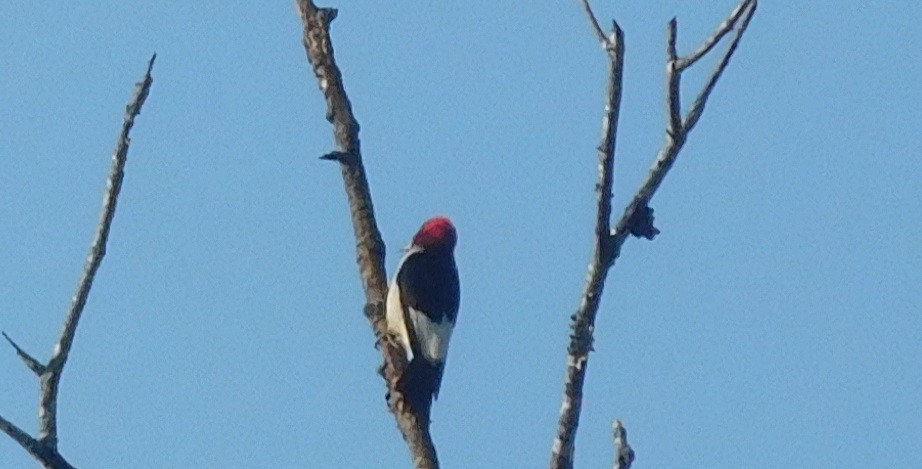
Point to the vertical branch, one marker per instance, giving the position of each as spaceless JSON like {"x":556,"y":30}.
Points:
{"x":637,"y":218}
{"x":624,"y":455}
{"x":584,"y":319}
{"x":48,"y":427}
{"x":45,"y":447}
{"x":369,"y":245}
{"x":673,"y":82}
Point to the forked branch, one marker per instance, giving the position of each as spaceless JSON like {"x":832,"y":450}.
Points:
{"x":369,"y":245}
{"x":44,"y":448}
{"x":637,"y":218}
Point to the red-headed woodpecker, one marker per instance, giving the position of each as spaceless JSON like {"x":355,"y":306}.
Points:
{"x":422,"y":305}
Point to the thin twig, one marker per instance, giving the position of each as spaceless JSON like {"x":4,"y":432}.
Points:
{"x":673,"y":83}
{"x":48,"y":426}
{"x":697,"y":107}
{"x":636,"y":220}
{"x":369,"y":245}
{"x":624,"y":455}
{"x":584,"y":319}
{"x":715,"y":38}
{"x":37,"y":367}
{"x":594,"y":23}
{"x":45,"y":447}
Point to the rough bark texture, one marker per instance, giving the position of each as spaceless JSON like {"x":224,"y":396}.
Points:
{"x":637,"y":218}
{"x":44,"y":448}
{"x":583,"y":321}
{"x":369,"y":245}
{"x":624,"y":455}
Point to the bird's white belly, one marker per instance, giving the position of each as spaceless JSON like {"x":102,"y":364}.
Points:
{"x":395,"y":320}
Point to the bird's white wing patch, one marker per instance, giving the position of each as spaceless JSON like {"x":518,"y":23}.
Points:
{"x":433,"y":337}
{"x":395,"y":321}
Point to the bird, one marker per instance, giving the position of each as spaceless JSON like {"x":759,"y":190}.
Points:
{"x":423,"y":300}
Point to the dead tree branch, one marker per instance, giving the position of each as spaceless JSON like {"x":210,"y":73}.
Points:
{"x":37,"y":367}
{"x":594,"y":23}
{"x":624,"y":455}
{"x":581,"y":336}
{"x":45,"y":447}
{"x":370,"y":248}
{"x":637,"y":218}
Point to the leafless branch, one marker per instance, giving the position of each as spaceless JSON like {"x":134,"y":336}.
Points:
{"x":45,"y":447}
{"x":715,"y":38}
{"x":637,"y":218}
{"x":665,"y":158}
{"x":30,"y":361}
{"x":594,"y":23}
{"x":19,"y":436}
{"x":673,"y":82}
{"x":697,"y":107}
{"x":49,"y":457}
{"x":584,"y":318}
{"x":624,"y":455}
{"x":369,"y":245}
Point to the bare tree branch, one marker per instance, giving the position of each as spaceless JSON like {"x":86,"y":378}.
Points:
{"x":48,"y":427}
{"x":49,"y":457}
{"x":673,"y":143}
{"x":369,"y":245}
{"x":624,"y":455}
{"x":697,"y":107}
{"x":603,"y":39}
{"x":673,"y":82}
{"x":637,"y":218}
{"x":30,"y":361}
{"x":584,"y":318}
{"x":18,"y":435}
{"x":715,"y":38}
{"x":45,"y":447}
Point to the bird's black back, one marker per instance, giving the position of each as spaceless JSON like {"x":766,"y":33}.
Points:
{"x":429,"y":283}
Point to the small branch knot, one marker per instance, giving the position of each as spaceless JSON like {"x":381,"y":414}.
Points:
{"x":345,"y":158}
{"x":327,"y":15}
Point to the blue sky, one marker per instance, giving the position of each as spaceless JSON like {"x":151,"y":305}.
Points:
{"x":774,"y":322}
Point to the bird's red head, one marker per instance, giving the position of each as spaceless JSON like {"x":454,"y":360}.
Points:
{"x":436,"y":233}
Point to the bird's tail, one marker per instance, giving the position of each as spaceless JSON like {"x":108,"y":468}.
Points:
{"x":419,"y":384}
